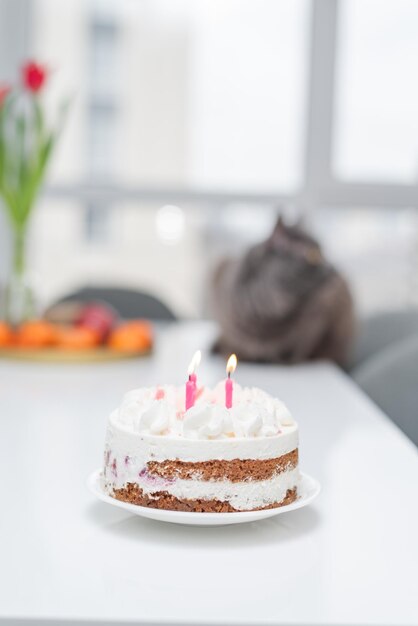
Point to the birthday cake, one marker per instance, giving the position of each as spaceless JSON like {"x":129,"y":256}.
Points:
{"x":214,"y":456}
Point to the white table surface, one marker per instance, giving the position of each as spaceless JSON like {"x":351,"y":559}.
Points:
{"x":350,"y":558}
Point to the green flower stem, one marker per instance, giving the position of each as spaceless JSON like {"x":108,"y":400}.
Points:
{"x":19,"y":251}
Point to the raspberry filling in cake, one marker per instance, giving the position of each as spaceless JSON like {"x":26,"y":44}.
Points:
{"x":205,"y":459}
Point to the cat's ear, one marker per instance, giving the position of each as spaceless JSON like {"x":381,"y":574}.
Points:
{"x":279,"y":233}
{"x":280,"y":226}
{"x":285,"y":223}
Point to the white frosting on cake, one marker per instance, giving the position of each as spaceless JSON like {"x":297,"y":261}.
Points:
{"x":207,"y":421}
{"x":160,"y":411}
{"x":146,"y":428}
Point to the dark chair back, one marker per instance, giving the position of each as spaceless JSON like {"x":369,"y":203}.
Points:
{"x":390,"y":379}
{"x":129,"y":303}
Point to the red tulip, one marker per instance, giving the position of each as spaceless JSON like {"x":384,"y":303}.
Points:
{"x":4,"y":91}
{"x":34,"y":76}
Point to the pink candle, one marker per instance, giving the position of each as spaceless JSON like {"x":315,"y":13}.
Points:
{"x":190,"y":393}
{"x":229,"y":385}
{"x":191,"y":384}
{"x":229,"y":388}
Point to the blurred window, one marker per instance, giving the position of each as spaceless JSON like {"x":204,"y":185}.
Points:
{"x":184,"y":93}
{"x":376,"y":134}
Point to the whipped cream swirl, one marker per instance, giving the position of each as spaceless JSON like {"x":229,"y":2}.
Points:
{"x":145,"y":412}
{"x":160,"y":411}
{"x":207,"y":421}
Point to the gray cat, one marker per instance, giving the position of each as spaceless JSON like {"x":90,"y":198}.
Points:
{"x":283,"y":302}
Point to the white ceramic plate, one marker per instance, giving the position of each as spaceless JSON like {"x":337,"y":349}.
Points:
{"x":308,"y":488}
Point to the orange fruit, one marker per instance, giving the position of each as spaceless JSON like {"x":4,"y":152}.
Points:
{"x":77,"y":338}
{"x":36,"y":334}
{"x":6,"y":335}
{"x":134,"y":336}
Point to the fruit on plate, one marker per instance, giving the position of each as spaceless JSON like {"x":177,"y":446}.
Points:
{"x":36,"y":334}
{"x":6,"y":335}
{"x":98,"y":317}
{"x":64,"y":313}
{"x":77,"y":338}
{"x":133,"y":336}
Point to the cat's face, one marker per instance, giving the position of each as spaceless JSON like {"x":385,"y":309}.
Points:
{"x":289,"y":259}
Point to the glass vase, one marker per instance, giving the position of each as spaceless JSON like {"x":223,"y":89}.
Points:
{"x":19,"y":302}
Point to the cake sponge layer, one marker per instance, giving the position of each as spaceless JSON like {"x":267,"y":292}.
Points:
{"x":236,"y":470}
{"x":164,"y":500}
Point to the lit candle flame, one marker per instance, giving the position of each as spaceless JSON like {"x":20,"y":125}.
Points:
{"x":231,"y":365}
{"x":194,"y":363}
